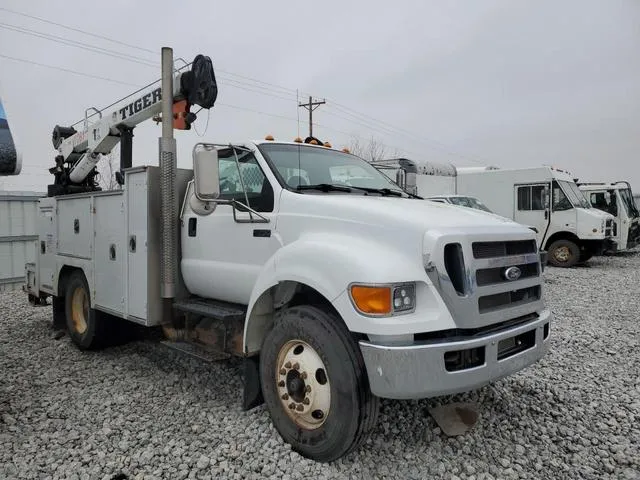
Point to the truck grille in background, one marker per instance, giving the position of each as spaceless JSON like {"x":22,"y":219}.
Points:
{"x":503,"y":249}
{"x":490,"y":276}
{"x":513,"y":298}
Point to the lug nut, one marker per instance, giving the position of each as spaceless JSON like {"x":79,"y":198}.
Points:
{"x":299,"y":408}
{"x":287,"y":365}
{"x":308,"y":388}
{"x":292,"y":405}
{"x":303,"y":375}
{"x":306,"y":401}
{"x":281,"y":383}
{"x":285,"y":397}
{"x":283,"y":371}
{"x":296,"y":366}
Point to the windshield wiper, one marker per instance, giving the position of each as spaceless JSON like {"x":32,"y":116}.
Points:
{"x":382,"y":191}
{"x":324,"y":187}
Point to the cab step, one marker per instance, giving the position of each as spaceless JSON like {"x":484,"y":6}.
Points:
{"x":198,"y":351}
{"x":212,"y":309}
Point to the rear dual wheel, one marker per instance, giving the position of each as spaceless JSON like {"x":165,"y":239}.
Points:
{"x":315,"y":384}
{"x":86,"y":327}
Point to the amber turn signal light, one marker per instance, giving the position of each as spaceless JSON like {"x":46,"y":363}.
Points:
{"x":372,"y":300}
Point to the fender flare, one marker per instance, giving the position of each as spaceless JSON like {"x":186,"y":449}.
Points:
{"x":312,"y":261}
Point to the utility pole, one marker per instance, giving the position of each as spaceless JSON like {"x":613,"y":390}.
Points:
{"x":311,"y":106}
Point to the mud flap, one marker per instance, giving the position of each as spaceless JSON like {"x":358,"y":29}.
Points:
{"x":252,"y":396}
{"x":59,"y":315}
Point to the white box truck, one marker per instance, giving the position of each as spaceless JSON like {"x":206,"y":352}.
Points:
{"x":546,"y":198}
{"x":617,"y":199}
{"x":335,"y":293}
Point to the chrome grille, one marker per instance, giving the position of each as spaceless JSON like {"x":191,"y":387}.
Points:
{"x":503,"y":249}
{"x":491,"y":276}
{"x":472,"y":280}
{"x":497,"y":301}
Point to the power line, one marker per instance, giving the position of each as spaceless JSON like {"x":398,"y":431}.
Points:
{"x":74,"y":72}
{"x":77,"y":30}
{"x":391,"y":129}
{"x":76,"y":44}
{"x":269,"y":87}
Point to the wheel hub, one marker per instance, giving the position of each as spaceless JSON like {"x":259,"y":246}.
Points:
{"x":79,"y":310}
{"x":303,"y":385}
{"x":562,"y":254}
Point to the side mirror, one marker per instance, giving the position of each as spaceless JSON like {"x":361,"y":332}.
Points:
{"x":410,"y":183}
{"x":206,"y":176}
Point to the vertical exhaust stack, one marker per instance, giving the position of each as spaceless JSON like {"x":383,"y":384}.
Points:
{"x":168,"y":204}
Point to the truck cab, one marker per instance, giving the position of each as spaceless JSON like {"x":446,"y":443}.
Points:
{"x":617,"y":200}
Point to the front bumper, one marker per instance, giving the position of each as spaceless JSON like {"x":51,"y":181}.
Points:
{"x":420,"y":371}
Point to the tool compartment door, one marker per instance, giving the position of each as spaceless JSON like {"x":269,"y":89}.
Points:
{"x":110,"y":253}
{"x":75,"y":227}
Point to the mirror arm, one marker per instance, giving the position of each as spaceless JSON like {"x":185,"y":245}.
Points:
{"x":233,"y":204}
{"x":244,"y":189}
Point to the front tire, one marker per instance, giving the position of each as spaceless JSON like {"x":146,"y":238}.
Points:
{"x":86,"y":327}
{"x":315,"y":384}
{"x":563,"y":253}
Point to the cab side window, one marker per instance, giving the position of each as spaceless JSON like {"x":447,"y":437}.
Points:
{"x":531,"y":197}
{"x":245,"y":181}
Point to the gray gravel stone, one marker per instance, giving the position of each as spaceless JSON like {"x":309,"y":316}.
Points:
{"x":149,"y":412}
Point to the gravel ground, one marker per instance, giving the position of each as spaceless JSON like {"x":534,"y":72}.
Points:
{"x":151,"y":413}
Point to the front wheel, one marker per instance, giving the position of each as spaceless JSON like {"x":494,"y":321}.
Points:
{"x":315,"y":384}
{"x":563,"y":253}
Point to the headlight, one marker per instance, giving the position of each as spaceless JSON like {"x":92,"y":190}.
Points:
{"x":602,"y":226}
{"x":383,"y":300}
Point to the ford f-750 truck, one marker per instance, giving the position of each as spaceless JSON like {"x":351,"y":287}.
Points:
{"x":335,"y":292}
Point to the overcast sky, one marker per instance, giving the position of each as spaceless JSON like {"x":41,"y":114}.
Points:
{"x":507,"y":83}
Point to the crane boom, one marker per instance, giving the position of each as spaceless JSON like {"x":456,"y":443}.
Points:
{"x":80,"y":151}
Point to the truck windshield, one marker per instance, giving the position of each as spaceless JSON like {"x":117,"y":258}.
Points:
{"x":629,"y":204}
{"x":574,"y":194}
{"x":301,"y":166}
{"x":470,"y":202}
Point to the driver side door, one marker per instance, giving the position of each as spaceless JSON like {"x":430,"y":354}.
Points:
{"x":532,"y":208}
{"x":229,"y":249}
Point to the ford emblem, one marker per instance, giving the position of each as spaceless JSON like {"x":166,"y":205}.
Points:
{"x":512,"y":273}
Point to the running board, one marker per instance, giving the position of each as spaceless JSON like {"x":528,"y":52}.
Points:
{"x":212,"y":309}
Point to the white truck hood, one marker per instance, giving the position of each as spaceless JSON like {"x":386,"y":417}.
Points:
{"x":378,"y":210}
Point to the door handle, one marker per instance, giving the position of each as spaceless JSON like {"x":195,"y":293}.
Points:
{"x":263,"y":233}
{"x":546,"y":214}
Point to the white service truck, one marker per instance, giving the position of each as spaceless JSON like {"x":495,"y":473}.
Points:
{"x":544,"y":198}
{"x":335,"y":293}
{"x":617,"y":199}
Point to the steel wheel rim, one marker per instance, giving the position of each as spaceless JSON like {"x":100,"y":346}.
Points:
{"x":79,"y":310}
{"x":562,"y":254}
{"x":303,"y":385}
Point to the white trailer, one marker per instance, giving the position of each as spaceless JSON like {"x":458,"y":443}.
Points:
{"x":617,"y":199}
{"x":545,"y":198}
{"x":335,"y":291}
{"x":18,"y":236}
